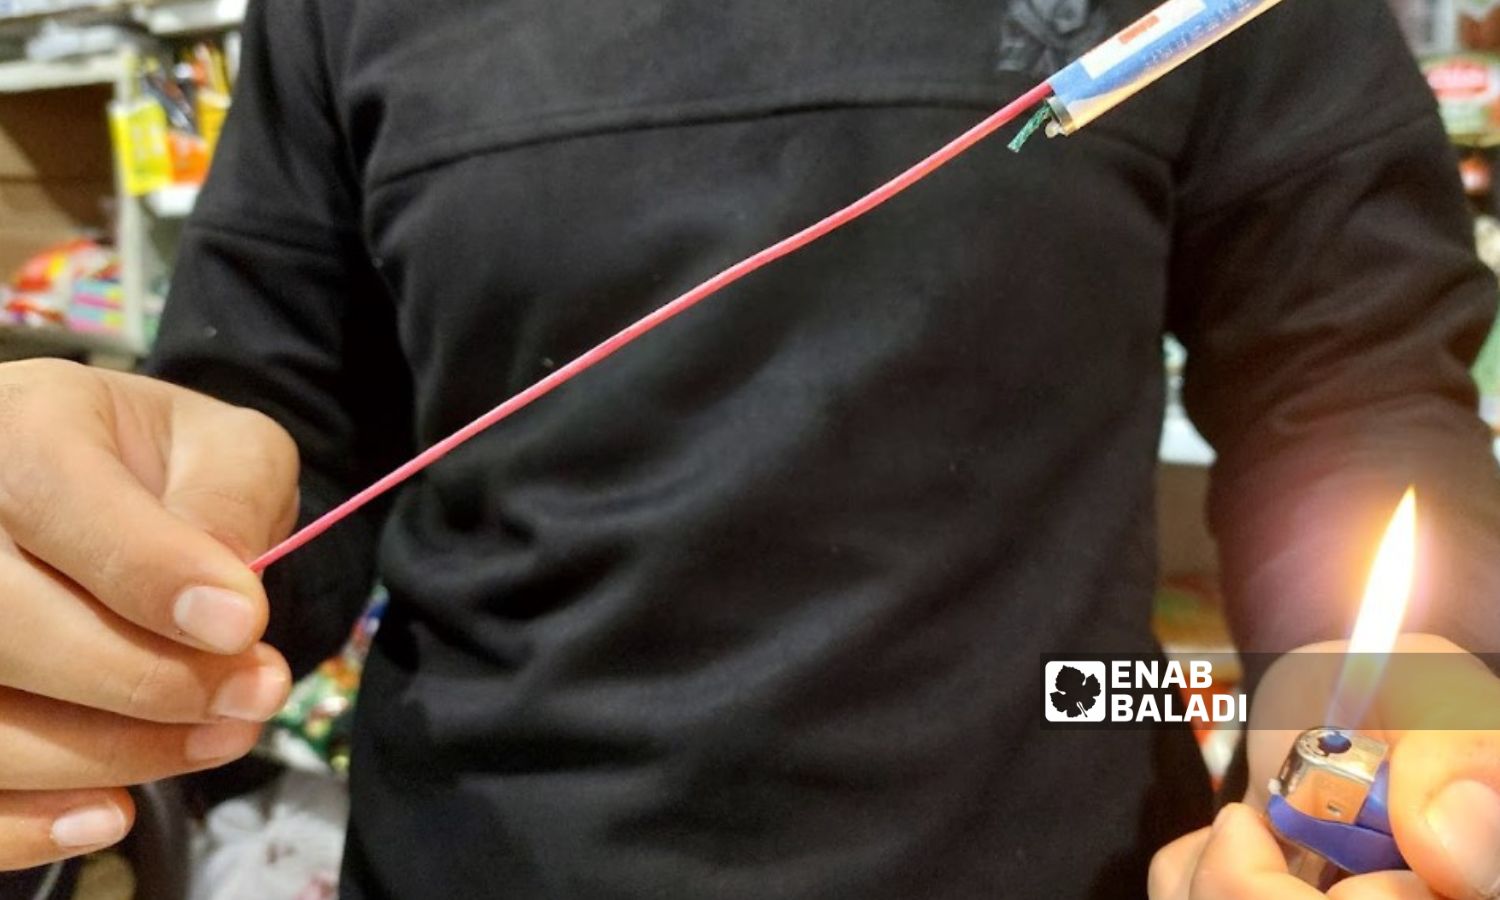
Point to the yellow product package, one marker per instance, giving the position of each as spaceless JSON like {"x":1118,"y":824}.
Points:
{"x":212,"y":108}
{"x":139,"y":131}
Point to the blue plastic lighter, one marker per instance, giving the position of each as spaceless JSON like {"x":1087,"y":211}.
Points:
{"x":1328,"y":806}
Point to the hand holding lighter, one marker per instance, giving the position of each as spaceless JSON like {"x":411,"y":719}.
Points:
{"x":1328,"y":807}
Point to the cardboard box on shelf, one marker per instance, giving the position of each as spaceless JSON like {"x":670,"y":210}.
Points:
{"x":56,"y":171}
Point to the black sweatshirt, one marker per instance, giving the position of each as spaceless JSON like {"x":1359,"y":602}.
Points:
{"x":755,"y":610}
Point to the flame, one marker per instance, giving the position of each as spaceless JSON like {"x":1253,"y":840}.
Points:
{"x":1389,"y":589}
{"x":1381,"y":615}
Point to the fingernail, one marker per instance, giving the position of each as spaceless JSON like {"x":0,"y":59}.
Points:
{"x":220,"y":619}
{"x":225,"y":740}
{"x":252,"y":696}
{"x":1465,"y":816}
{"x":89,"y":826}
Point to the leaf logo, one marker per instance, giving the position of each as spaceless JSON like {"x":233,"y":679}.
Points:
{"x":1074,"y":692}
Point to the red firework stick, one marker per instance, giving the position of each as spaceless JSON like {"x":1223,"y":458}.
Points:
{"x":682,"y":304}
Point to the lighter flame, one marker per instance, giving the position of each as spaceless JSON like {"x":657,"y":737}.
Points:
{"x":1389,"y":589}
{"x":1381,"y":615}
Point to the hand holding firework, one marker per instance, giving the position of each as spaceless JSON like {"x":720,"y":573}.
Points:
{"x":129,"y":622}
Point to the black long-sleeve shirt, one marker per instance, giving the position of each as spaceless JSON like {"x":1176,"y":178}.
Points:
{"x":755,"y":610}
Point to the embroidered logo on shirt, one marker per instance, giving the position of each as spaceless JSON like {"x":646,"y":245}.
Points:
{"x":1039,"y":37}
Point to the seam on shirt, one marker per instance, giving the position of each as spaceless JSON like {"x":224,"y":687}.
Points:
{"x":279,"y":231}
{"x":575,"y":123}
{"x":1279,"y":173}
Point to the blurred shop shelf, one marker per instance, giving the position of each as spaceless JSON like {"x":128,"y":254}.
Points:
{"x":15,"y":13}
{"x":163,"y":17}
{"x":20,"y":342}
{"x":174,"y":18}
{"x":174,"y":202}
{"x":21,"y":76}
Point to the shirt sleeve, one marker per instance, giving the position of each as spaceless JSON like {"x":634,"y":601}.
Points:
{"x":1326,"y":286}
{"x":275,"y":305}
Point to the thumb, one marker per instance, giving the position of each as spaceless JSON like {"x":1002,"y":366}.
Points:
{"x":1445,"y":794}
{"x":1445,"y":778}
{"x":231,"y":472}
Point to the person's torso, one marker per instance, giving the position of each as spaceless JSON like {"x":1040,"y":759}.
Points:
{"x":755,"y":608}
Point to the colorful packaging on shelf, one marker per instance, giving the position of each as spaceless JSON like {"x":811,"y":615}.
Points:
{"x":98,"y":305}
{"x":139,"y":131}
{"x":166,"y":130}
{"x":1467,"y":86}
{"x":213,"y":108}
{"x":319,"y":713}
{"x":39,"y":292}
{"x":49,"y":287}
{"x":1477,"y":172}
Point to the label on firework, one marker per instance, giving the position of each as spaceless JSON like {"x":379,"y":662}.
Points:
{"x":1118,"y":49}
{"x":1135,"y":58}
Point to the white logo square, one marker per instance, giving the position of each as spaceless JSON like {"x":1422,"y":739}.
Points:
{"x":1075,"y":691}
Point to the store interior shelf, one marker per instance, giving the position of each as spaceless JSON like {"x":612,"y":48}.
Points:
{"x":174,"y":202}
{"x":173,"y":18}
{"x":19,"y":341}
{"x":93,"y":7}
{"x":163,"y":17}
{"x":25,"y":75}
